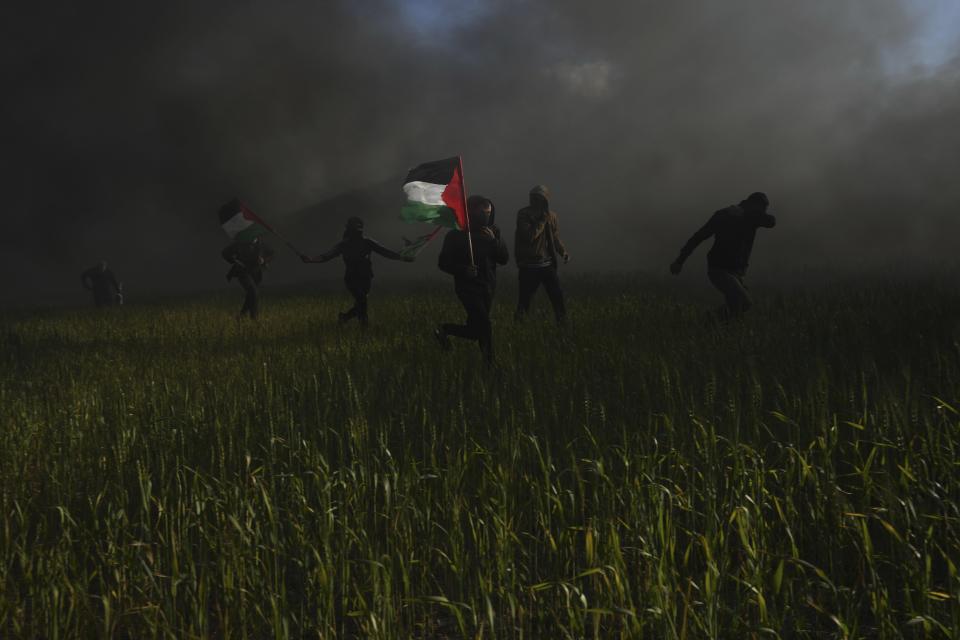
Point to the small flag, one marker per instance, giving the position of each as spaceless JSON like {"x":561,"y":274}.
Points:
{"x":412,"y":248}
{"x":435,"y":194}
{"x":240,"y":223}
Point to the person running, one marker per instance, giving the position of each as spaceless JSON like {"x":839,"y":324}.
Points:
{"x":474,"y":280}
{"x":733,"y":230}
{"x":537,"y":250}
{"x":247,"y":262}
{"x":99,"y":279}
{"x":356,"y":248}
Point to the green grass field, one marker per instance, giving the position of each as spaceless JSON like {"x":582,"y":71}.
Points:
{"x":168,"y":472}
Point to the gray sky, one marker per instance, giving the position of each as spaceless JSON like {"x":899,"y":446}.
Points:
{"x":126,"y":125}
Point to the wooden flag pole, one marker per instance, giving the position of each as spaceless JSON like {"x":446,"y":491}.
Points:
{"x":466,"y":212}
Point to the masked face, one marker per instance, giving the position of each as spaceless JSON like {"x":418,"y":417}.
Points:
{"x":485,"y":212}
{"x":480,"y":215}
{"x":538,"y":201}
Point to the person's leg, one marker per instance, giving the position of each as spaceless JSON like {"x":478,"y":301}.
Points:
{"x":736,"y":297}
{"x":551,"y":284}
{"x":99,"y":299}
{"x":352,"y":312}
{"x":250,"y":302}
{"x":468,"y":330}
{"x":360,"y":295}
{"x":484,"y":327}
{"x":529,"y":281}
{"x":478,"y":327}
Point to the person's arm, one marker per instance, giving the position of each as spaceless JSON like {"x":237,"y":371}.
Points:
{"x":702,"y":234}
{"x":229,"y":253}
{"x":766,"y":221}
{"x":382,"y":250}
{"x":530,"y":226}
{"x":500,"y":254}
{"x":324,"y":257}
{"x":452,"y":257}
{"x":86,"y":280}
{"x":113,"y":280}
{"x":557,"y":243}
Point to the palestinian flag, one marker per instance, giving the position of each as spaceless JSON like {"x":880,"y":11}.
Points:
{"x":435,"y":194}
{"x":241,"y":224}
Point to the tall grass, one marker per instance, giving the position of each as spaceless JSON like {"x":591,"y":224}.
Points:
{"x":168,"y":472}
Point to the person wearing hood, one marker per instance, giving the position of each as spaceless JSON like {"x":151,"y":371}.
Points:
{"x":355,"y":248}
{"x":733,"y":230}
{"x":247,"y":261}
{"x":99,"y":279}
{"x":471,"y":257}
{"x":537,"y":250}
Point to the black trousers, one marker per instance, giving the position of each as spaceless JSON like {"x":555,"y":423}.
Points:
{"x":103,"y":297}
{"x":359,"y":288}
{"x":530,"y":281}
{"x":735,"y":294}
{"x":251,"y":300}
{"x":477,"y":304}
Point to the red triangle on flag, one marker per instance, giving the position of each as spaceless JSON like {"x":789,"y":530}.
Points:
{"x":453,"y":197}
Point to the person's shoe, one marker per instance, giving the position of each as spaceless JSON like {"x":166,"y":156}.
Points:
{"x":442,"y":338}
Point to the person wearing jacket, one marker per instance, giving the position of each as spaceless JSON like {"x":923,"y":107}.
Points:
{"x":473,"y":281}
{"x":537,"y":250}
{"x":247,"y":261}
{"x":733,"y":230}
{"x":355,"y":248}
{"x":99,"y":279}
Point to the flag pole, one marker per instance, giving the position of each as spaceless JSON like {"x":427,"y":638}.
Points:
{"x":269,"y":228}
{"x":285,"y":241}
{"x":466,"y":212}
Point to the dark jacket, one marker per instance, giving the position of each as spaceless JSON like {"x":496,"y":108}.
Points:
{"x":733,"y":230}
{"x":356,"y":252}
{"x":537,"y":241}
{"x":103,"y":283}
{"x":488,"y":252}
{"x":248,"y":258}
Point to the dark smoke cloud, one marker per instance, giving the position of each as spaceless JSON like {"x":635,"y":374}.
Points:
{"x":125,"y":127}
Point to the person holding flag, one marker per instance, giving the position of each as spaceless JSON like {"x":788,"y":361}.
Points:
{"x":247,"y":262}
{"x":355,"y":248}
{"x":247,"y":254}
{"x":471,"y":256}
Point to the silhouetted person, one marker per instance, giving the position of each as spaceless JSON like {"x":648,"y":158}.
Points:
{"x":107,"y":291}
{"x":537,"y":250}
{"x":474,"y":283}
{"x":247,"y":262}
{"x":733,"y":230}
{"x":356,"y":249}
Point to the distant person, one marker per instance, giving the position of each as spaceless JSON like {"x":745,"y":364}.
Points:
{"x":538,"y":250}
{"x":733,"y":230}
{"x":356,"y":248}
{"x":474,"y":282}
{"x":99,"y":279}
{"x":247,"y":261}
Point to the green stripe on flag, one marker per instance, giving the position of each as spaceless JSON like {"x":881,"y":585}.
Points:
{"x":253,"y":231}
{"x":433,"y":214}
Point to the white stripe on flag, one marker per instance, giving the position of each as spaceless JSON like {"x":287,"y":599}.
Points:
{"x":425,"y":192}
{"x":236,"y":224}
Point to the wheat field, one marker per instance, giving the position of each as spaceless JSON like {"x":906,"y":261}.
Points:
{"x":643,"y":472}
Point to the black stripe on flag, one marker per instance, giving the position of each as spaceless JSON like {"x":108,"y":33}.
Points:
{"x":436,"y":172}
{"x":230,"y":209}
